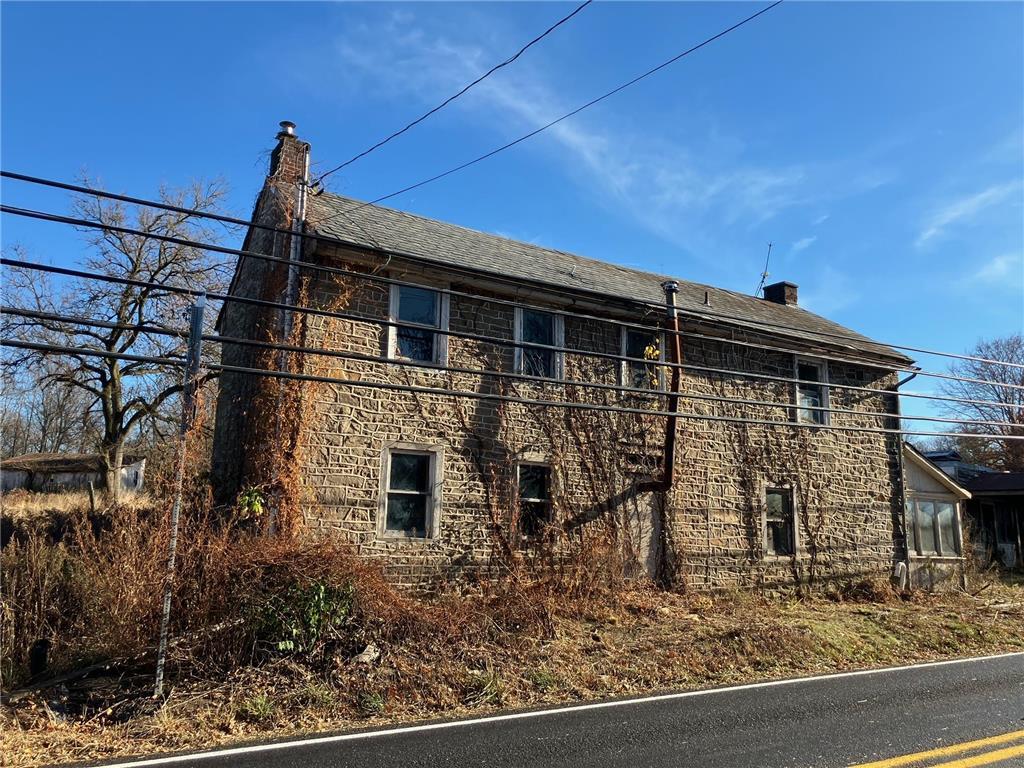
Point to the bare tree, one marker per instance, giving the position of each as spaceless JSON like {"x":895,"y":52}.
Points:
{"x":1007,"y":402}
{"x":124,"y":396}
{"x":39,"y":414}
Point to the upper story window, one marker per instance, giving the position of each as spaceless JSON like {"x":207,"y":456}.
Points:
{"x":534,"y":487}
{"x":779,"y":525}
{"x":811,"y":392}
{"x":932,"y":527}
{"x":409,"y":504}
{"x":640,"y":345}
{"x":535,"y":327}
{"x":423,"y":307}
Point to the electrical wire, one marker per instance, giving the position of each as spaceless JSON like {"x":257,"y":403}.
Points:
{"x":358,"y":383}
{"x":497,"y":341}
{"x":530,"y":378}
{"x":319,"y":181}
{"x":567,"y":115}
{"x":690,"y":313}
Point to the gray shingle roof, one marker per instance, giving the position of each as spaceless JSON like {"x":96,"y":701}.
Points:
{"x":997,"y":482}
{"x":405,"y":234}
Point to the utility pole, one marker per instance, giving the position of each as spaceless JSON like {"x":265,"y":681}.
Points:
{"x":188,"y":406}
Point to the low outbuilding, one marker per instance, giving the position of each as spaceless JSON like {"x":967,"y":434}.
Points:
{"x":56,"y":472}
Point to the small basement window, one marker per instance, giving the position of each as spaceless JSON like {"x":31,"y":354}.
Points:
{"x":535,"y":327}
{"x":779,"y":527}
{"x":640,"y":345}
{"x":423,"y":307}
{"x":811,"y":392}
{"x":534,"y":498}
{"x":410,"y":493}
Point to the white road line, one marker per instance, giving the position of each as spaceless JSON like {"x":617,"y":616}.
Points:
{"x":278,"y":745}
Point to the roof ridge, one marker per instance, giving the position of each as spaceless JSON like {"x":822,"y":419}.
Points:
{"x":747,"y":309}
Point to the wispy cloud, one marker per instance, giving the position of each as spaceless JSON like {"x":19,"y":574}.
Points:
{"x":965,"y":209}
{"x":1005,"y":269}
{"x":820,"y":220}
{"x":804,"y":243}
{"x":679,"y":194}
{"x":829,"y":292}
{"x":696,"y":193}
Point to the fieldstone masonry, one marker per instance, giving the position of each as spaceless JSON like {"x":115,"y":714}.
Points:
{"x":846,"y":484}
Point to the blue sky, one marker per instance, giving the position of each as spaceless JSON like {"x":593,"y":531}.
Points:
{"x":879,"y":146}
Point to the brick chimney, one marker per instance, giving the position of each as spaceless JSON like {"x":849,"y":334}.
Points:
{"x":781,"y":293}
{"x":289,"y":162}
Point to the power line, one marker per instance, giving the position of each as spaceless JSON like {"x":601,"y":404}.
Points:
{"x":622,"y":389}
{"x":694,"y":314}
{"x":450,"y":99}
{"x":442,"y":391}
{"x":566,"y":116}
{"x":497,"y":341}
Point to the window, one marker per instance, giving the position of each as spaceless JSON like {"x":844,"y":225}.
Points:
{"x":779,"y":530}
{"x":534,"y":498}
{"x":536,"y":327}
{"x":811,"y":392}
{"x":642,"y":345}
{"x":422,"y":306}
{"x":932,"y":527}
{"x":409,"y":506}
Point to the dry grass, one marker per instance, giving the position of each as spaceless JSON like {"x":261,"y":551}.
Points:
{"x":278,"y":636}
{"x":646,"y":641}
{"x":25,"y":504}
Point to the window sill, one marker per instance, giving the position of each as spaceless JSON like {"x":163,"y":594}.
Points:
{"x":941,"y":558}
{"x":800,"y":557}
{"x":392,"y":537}
{"x":407,"y":363}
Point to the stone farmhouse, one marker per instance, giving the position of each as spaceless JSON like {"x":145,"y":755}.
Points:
{"x":783,"y":463}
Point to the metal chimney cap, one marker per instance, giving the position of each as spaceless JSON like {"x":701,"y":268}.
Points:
{"x":287,"y":128}
{"x":670,"y":286}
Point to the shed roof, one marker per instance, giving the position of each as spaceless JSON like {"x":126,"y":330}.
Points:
{"x":59,"y":462}
{"x":422,"y":239}
{"x":997,"y":482}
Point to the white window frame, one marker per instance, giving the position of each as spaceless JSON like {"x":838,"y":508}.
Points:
{"x":433,"y":521}
{"x":550,"y":500}
{"x":958,"y":534}
{"x":624,"y":380}
{"x":764,"y":521}
{"x":822,"y":366}
{"x":558,"y":323}
{"x":440,"y":356}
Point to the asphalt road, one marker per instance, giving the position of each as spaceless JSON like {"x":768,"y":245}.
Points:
{"x":837,"y":721}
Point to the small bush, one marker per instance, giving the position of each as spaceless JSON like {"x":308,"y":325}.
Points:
{"x":257,"y":708}
{"x":484,"y":687}
{"x":298,"y":618}
{"x":544,"y":679}
{"x":370,"y":702}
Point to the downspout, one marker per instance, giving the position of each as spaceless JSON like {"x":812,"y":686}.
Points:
{"x":903,"y":477}
{"x":664,"y":483}
{"x":295,"y":250}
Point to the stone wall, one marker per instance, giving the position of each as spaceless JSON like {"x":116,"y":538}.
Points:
{"x":845,"y":484}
